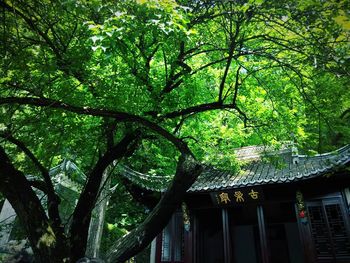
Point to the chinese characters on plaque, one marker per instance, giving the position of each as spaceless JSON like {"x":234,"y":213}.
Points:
{"x":237,"y":196}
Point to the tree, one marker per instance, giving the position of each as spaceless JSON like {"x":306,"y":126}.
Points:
{"x":171,"y":83}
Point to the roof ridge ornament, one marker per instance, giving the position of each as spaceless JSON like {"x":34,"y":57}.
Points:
{"x":295,"y":150}
{"x":295,"y":154}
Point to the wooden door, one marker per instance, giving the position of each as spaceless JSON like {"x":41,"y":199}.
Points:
{"x":329,"y":227}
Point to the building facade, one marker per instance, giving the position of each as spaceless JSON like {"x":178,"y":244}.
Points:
{"x":282,"y":208}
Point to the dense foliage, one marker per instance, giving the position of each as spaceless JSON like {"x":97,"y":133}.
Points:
{"x":143,"y":82}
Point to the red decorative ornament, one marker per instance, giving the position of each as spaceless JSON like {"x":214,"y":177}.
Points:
{"x":302,"y":214}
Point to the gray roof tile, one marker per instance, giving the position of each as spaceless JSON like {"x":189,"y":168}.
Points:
{"x":254,"y":172}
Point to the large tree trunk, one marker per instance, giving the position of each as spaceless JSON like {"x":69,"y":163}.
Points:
{"x":47,"y":245}
{"x":186,"y":173}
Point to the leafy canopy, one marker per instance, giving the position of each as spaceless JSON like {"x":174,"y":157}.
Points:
{"x":215,"y":74}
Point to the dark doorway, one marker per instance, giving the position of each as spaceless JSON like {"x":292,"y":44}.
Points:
{"x":277,"y":238}
{"x":244,"y":234}
{"x":210,"y":246}
{"x":282,"y":233}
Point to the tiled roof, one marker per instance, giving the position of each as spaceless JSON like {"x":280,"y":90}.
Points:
{"x":146,"y":181}
{"x":249,"y":153}
{"x":278,"y":167}
{"x":66,"y":174}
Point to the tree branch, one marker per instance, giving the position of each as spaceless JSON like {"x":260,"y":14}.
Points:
{"x":199,"y":108}
{"x":117,"y":115}
{"x":173,"y":80}
{"x":40,"y":185}
{"x":33,"y":26}
{"x":231,"y":50}
{"x":237,"y":84}
{"x":208,"y":65}
{"x":344,"y":113}
{"x":82,"y":213}
{"x":17,"y":189}
{"x":53,"y":198}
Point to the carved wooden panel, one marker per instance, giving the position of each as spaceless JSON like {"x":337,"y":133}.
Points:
{"x":329,"y":230}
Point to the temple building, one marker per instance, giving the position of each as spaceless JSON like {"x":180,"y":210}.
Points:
{"x":280,"y":207}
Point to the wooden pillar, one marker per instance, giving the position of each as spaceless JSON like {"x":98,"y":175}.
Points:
{"x":262,"y":234}
{"x":226,"y":236}
{"x":159,"y":247}
{"x":172,"y":237}
{"x":306,"y":239}
{"x":195,"y":239}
